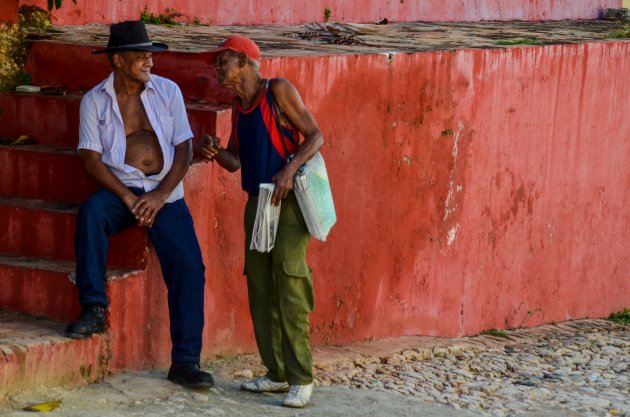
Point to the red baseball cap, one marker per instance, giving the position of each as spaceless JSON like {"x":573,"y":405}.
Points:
{"x":236,"y":43}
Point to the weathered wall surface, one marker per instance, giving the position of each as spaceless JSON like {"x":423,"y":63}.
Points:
{"x":223,"y":12}
{"x":9,"y":11}
{"x":475,"y":189}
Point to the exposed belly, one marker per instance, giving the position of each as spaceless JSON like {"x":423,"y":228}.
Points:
{"x":144,"y":152}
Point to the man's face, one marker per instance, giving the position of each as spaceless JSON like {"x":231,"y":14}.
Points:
{"x":227,"y":68}
{"x":135,"y":65}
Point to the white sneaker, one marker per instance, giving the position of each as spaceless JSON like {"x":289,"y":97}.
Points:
{"x":298,"y":396}
{"x":264,"y":384}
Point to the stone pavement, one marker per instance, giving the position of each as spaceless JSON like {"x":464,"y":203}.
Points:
{"x":579,"y":368}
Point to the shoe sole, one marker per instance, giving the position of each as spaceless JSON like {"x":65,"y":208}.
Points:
{"x":283,"y":389}
{"x":189,"y":385}
{"x":294,"y":405}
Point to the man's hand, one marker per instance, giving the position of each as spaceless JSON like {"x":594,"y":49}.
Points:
{"x":147,"y":207}
{"x":297,"y":114}
{"x":283,"y":181}
{"x":210,"y":146}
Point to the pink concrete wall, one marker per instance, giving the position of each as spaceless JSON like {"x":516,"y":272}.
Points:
{"x":223,"y":12}
{"x":475,"y":189}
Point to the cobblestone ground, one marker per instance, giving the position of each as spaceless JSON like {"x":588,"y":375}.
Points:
{"x":577,"y":368}
{"x":585,"y":372}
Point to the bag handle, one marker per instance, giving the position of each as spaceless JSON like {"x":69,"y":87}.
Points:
{"x":277,"y":114}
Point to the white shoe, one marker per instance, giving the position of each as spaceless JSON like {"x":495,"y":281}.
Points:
{"x":264,"y":384}
{"x":298,"y":396}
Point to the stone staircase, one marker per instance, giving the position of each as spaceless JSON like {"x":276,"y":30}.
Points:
{"x":41,"y":187}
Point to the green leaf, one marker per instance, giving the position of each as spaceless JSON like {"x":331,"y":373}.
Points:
{"x":50,"y":4}
{"x":58,"y":3}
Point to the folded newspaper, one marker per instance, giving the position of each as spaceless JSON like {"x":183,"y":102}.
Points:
{"x":312,"y":190}
{"x":266,"y":223}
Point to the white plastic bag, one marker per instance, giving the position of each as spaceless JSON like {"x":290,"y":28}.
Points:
{"x":314,"y":197}
{"x":266,"y":223}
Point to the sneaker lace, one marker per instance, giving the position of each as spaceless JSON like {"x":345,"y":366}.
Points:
{"x":263,"y":382}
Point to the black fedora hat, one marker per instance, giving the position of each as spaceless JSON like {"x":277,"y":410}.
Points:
{"x":130,"y":36}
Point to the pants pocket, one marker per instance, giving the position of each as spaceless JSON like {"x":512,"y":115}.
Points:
{"x":296,"y":287}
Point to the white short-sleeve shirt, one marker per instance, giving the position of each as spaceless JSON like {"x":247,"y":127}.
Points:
{"x":102,"y":130}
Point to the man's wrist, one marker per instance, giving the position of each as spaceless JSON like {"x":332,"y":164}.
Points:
{"x":292,"y":167}
{"x":162,"y":193}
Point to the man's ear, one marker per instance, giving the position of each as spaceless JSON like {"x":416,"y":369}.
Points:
{"x":117,"y":59}
{"x":242,"y":59}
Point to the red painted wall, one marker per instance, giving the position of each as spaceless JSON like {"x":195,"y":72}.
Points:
{"x":223,"y":12}
{"x":475,"y":189}
{"x":8,"y":11}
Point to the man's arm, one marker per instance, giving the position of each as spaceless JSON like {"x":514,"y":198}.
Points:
{"x":149,"y":204}
{"x":91,"y":149}
{"x":226,"y":157}
{"x":104,"y":177}
{"x":291,"y":104}
{"x":210,"y":147}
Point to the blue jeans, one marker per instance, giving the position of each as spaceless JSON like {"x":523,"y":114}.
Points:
{"x":175,"y":242}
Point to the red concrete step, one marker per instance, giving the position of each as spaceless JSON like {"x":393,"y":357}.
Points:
{"x":46,"y":172}
{"x":45,"y":288}
{"x":48,"y":120}
{"x":54,"y":120}
{"x":45,"y":229}
{"x":33,"y":353}
{"x":137,"y":315}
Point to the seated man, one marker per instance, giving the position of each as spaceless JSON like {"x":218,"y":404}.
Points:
{"x":135,"y":141}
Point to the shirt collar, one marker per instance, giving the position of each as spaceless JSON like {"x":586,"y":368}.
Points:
{"x":108,"y":85}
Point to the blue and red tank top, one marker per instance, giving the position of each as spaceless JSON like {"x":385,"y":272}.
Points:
{"x":263,"y":150}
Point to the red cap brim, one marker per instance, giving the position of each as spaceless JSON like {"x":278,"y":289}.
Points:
{"x":212,"y":54}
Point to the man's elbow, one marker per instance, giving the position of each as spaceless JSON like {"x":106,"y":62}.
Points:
{"x":235,"y":166}
{"x":318,"y":139}
{"x":186,"y":149}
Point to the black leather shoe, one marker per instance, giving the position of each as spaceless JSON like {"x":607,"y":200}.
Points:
{"x":91,"y":320}
{"x":189,"y":375}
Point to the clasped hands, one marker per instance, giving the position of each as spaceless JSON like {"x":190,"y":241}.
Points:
{"x":146,"y":206}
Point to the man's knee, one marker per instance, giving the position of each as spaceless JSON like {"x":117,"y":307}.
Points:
{"x":91,"y":212}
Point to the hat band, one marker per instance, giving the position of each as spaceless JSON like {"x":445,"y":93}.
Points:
{"x":132,"y":45}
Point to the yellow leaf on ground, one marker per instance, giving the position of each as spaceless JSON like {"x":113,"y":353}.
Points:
{"x":49,"y":406}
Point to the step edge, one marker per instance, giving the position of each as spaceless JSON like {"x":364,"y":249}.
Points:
{"x":38,"y":204}
{"x":191,"y":105}
{"x":61,"y":267}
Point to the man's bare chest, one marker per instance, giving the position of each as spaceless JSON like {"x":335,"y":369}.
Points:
{"x":134,"y":115}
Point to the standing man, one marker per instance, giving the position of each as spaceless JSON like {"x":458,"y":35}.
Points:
{"x":135,"y":141}
{"x":268,"y":116}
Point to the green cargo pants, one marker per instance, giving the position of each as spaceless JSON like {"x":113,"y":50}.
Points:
{"x":280,"y":289}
